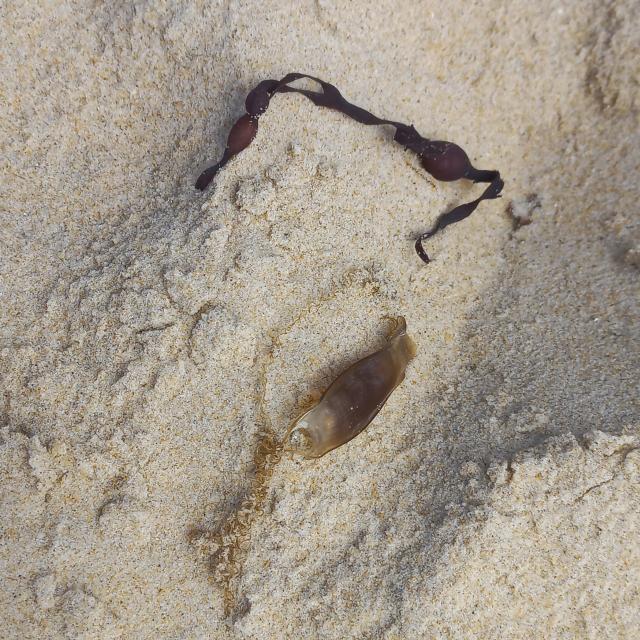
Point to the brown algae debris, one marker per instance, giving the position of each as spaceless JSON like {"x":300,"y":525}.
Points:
{"x":354,"y":399}
{"x":228,"y":546}
{"x":444,"y":160}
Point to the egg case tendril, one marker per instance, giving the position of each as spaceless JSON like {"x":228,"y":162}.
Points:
{"x":445,"y":161}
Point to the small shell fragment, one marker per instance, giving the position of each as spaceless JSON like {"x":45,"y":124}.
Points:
{"x":354,"y":398}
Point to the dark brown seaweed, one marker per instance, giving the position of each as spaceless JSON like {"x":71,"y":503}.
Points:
{"x":445,"y":161}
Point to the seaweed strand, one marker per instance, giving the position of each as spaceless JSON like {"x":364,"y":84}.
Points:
{"x":444,"y":160}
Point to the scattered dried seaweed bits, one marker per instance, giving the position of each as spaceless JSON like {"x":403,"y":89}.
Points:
{"x":354,"y":399}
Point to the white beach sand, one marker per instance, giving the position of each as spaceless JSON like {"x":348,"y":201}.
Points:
{"x":151,"y":333}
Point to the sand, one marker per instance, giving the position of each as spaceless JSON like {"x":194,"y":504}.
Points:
{"x":157,"y":342}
